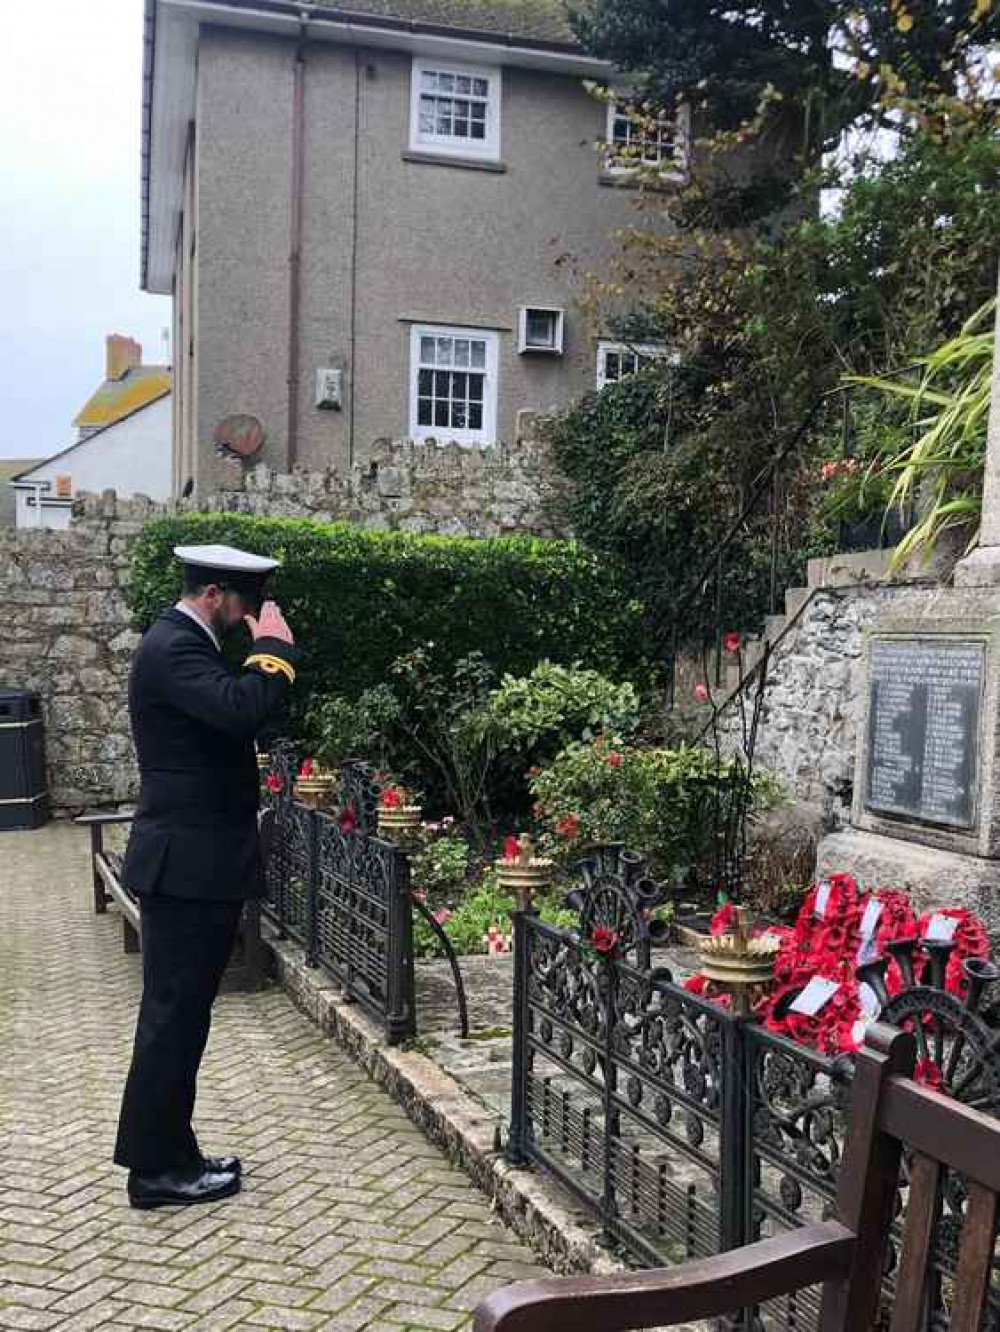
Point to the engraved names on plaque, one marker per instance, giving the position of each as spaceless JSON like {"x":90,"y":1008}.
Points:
{"x":923,"y":729}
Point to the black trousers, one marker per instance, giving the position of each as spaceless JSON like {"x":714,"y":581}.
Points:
{"x":185,"y":947}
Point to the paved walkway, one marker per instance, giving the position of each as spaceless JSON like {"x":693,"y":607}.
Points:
{"x":348,"y":1218}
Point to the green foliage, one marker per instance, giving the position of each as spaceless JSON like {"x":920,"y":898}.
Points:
{"x":771,"y":63}
{"x":486,"y":906}
{"x":440,"y":868}
{"x":336,"y":728}
{"x":949,"y":406}
{"x":657,"y":801}
{"x":766,"y":322}
{"x":537,"y":715}
{"x":357,"y":600}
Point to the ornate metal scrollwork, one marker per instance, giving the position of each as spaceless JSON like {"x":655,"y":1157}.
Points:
{"x":617,"y":894}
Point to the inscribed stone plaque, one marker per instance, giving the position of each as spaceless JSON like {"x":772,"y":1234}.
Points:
{"x":923,"y":729}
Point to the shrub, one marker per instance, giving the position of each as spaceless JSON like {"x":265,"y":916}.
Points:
{"x":486,"y":906}
{"x":536,"y":716}
{"x":660,"y":802}
{"x":440,"y":869}
{"x":357,"y":600}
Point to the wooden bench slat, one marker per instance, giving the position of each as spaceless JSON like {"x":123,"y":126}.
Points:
{"x":923,"y":1203}
{"x":941,"y":1127}
{"x":667,"y":1296}
{"x":975,"y":1259}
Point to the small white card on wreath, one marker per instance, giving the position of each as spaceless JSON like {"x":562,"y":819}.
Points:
{"x":941,"y":927}
{"x":816,"y":995}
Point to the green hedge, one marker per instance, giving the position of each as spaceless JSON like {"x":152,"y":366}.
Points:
{"x":356,"y":600}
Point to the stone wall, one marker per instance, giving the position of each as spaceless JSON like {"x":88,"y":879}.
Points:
{"x":65,"y":633}
{"x":412,"y":486}
{"x":65,"y":629}
{"x":813,"y":698}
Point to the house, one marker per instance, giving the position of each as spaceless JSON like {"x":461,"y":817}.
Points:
{"x":374,"y":220}
{"x":122,"y":444}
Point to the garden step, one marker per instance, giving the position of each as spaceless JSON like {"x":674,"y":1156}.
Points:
{"x":774,"y":626}
{"x":860,"y":566}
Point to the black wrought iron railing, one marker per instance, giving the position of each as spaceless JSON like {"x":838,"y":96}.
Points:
{"x":344,"y":894}
{"x":686,"y":1130}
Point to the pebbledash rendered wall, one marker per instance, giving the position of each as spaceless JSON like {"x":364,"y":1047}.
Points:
{"x":65,"y":629}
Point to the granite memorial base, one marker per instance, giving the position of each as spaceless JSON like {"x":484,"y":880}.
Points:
{"x":932,"y":877}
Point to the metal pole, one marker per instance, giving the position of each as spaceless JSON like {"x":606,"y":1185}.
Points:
{"x":521,"y":921}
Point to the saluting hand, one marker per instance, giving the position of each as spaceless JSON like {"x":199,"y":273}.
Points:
{"x":271,"y":623}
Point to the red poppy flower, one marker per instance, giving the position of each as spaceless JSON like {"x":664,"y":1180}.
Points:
{"x":731,"y":642}
{"x":307,"y":768}
{"x":274,"y":783}
{"x":724,"y":920}
{"x":568,"y":827}
{"x":392,"y":799}
{"x":614,"y":760}
{"x":928,"y":1073}
{"x":604,"y":939}
{"x":348,"y":821}
{"x":511,"y":849}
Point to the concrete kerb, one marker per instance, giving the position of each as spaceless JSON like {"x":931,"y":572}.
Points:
{"x":534,"y":1208}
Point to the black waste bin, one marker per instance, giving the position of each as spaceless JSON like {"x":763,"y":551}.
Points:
{"x":24,"y":799}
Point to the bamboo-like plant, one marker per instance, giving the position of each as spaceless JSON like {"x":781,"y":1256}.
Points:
{"x":941,"y":472}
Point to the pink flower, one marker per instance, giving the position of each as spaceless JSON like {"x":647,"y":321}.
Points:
{"x":614,"y":759}
{"x":443,"y":916}
{"x":511,"y":850}
{"x":701,"y":693}
{"x":307,"y":768}
{"x":274,"y":783}
{"x":731,"y":643}
{"x":392,"y":799}
{"x":569,"y":827}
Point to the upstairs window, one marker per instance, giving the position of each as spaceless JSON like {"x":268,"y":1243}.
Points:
{"x":453,"y":384}
{"x":616,"y":360}
{"x":642,"y":140}
{"x":455,"y":110}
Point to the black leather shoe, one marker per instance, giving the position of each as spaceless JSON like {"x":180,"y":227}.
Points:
{"x":222,"y":1165}
{"x":177,"y":1188}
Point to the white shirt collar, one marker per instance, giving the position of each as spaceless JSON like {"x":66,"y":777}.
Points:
{"x":193,"y":614}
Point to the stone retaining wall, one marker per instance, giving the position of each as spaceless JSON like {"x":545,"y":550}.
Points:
{"x":65,"y":633}
{"x":813,"y":700}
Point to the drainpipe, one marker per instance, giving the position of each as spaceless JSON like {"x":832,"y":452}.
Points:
{"x":354,"y":259}
{"x":295,"y":252}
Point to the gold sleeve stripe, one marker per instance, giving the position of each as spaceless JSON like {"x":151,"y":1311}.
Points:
{"x":272,"y":665}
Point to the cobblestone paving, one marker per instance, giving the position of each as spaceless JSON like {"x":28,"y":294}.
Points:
{"x":349,"y":1219}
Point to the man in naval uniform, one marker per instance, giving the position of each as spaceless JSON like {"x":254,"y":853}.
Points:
{"x":193,"y":855}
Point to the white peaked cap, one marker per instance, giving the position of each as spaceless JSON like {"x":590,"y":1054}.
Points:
{"x":226,"y":559}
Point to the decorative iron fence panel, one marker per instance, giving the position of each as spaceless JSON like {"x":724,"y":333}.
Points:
{"x":686,"y":1130}
{"x":343,"y":893}
{"x":625,"y":1097}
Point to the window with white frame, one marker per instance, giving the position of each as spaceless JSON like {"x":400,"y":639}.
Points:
{"x":455,"y":110}
{"x":453,"y":384}
{"x":616,"y":360}
{"x":640,"y":138}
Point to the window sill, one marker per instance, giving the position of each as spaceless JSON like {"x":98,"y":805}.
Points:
{"x":635,"y":180}
{"x":446,"y":160}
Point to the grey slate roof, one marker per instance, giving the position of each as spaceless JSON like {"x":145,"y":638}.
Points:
{"x":524,"y":20}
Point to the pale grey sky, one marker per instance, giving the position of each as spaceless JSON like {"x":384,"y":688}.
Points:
{"x":70,"y":100}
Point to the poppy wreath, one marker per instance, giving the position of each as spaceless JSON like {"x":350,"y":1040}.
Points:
{"x":819,"y":941}
{"x":970,"y":940}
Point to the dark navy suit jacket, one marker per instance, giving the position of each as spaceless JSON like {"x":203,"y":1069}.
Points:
{"x":193,"y":723}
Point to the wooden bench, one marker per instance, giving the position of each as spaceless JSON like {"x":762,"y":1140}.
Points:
{"x":246,"y":969}
{"x":889,"y":1112}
